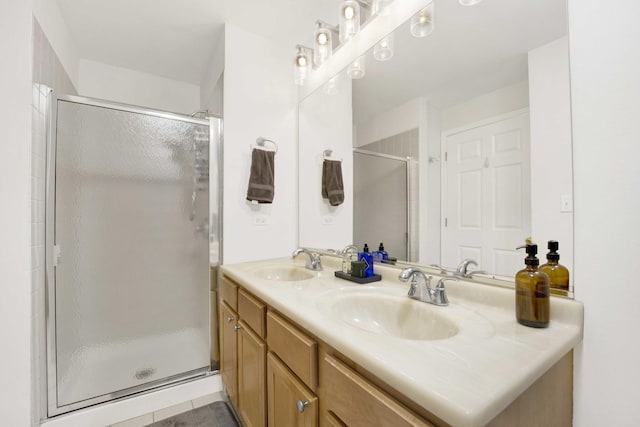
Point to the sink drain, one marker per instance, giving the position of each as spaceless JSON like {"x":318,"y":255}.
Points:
{"x":143,"y":374}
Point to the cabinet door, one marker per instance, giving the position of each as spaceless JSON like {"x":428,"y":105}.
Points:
{"x":252,"y":355}
{"x":291,"y":403}
{"x":228,"y":354}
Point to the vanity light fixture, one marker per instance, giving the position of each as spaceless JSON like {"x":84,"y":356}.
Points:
{"x":422,"y":22}
{"x":381,"y":7}
{"x":302,"y":65}
{"x":323,"y":42}
{"x":356,"y":68}
{"x":349,"y":20}
{"x":469,"y":2}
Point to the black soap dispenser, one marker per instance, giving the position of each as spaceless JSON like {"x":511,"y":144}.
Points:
{"x":558,"y":274}
{"x":532,"y":292}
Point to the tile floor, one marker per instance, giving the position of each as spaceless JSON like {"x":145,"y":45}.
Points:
{"x":164,"y":413}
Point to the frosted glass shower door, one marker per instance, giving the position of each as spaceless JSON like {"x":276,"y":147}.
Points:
{"x":131,"y":251}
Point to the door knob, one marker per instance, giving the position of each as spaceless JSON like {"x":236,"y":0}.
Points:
{"x":230,"y":319}
{"x":302,"y":405}
{"x":237,"y":328}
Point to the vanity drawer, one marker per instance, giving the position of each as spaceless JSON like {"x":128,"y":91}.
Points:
{"x":359,"y":403}
{"x":297,"y":350}
{"x":252,"y":311}
{"x":229,"y":293}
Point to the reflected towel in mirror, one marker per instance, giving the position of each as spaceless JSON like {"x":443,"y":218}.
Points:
{"x":261,"y":178}
{"x":332,"y":186}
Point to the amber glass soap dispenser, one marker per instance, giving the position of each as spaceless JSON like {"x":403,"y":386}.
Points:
{"x":558,"y":274}
{"x":532,"y":292}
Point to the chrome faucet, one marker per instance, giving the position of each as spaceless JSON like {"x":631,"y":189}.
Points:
{"x":313,"y":263}
{"x":463,"y":268}
{"x":421,"y":287}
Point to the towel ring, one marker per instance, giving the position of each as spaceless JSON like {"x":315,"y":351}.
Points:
{"x":326,"y":155}
{"x":260,"y":142}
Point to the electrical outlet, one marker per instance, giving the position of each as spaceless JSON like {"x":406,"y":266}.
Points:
{"x":566,"y":203}
{"x":260,"y":220}
{"x":328,"y":220}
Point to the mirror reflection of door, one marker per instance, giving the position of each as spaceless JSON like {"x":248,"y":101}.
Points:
{"x":487,"y":193}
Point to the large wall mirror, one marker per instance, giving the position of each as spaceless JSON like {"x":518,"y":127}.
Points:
{"x":458,"y":146}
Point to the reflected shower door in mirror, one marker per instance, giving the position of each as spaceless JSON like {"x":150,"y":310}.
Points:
{"x":481,"y":105}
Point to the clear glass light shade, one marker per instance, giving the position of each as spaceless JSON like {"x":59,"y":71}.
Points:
{"x":301,"y":67}
{"x":356,"y":69}
{"x":322,"y":48}
{"x":422,"y":22}
{"x":331,"y":86}
{"x":381,"y":7}
{"x":349,"y":20}
{"x":383,"y":50}
{"x":469,"y":2}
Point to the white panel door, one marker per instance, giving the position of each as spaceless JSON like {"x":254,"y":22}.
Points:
{"x":486,"y":194}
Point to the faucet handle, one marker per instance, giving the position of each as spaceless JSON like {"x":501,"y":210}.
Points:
{"x":440,"y":294}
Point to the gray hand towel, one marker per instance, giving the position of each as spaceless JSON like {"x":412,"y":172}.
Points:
{"x":332,"y":186}
{"x":261,"y":179}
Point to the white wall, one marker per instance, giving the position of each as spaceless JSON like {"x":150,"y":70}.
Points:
{"x":15,"y":213}
{"x":325,"y":122}
{"x":260,"y":99}
{"x":392,"y":122}
{"x":605,"y":89}
{"x":211,"y":86}
{"x":50,"y":18}
{"x":501,"y":101}
{"x":551,"y":164}
{"x":98,"y":80}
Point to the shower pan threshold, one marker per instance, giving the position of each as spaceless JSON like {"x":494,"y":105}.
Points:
{"x":139,"y":404}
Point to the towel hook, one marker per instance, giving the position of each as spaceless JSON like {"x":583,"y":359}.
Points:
{"x":260,"y":142}
{"x":326,"y":154}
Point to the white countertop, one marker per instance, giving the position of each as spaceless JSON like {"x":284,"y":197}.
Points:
{"x":465,"y":380}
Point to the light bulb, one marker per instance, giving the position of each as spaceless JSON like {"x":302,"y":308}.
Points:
{"x":422,"y":22}
{"x":349,"y":12}
{"x":322,"y":38}
{"x":349,"y":24}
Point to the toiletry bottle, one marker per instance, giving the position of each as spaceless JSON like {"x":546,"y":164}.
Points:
{"x":558,"y":274}
{"x":532,"y":292}
{"x":385,"y":254}
{"x":365,"y":256}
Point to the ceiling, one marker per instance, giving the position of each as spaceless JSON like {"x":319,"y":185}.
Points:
{"x":176,"y":39}
{"x":472,"y":51}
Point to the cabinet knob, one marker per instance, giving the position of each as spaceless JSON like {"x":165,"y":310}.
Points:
{"x":230,"y":319}
{"x":302,"y":404}
{"x":237,"y":328}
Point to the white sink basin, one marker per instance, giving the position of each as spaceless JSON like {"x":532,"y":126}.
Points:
{"x":283,"y":273}
{"x":401,"y":317}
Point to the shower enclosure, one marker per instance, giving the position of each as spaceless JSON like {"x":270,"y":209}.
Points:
{"x":128,"y":235}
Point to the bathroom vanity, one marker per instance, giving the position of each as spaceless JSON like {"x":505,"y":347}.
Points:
{"x":304,"y":348}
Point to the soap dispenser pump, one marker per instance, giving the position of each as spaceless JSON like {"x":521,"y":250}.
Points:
{"x":558,"y":274}
{"x":532,"y":291}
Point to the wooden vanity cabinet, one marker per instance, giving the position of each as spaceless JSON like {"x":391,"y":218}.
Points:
{"x":270,"y":365}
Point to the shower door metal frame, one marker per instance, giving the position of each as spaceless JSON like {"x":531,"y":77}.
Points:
{"x":50,"y":284}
